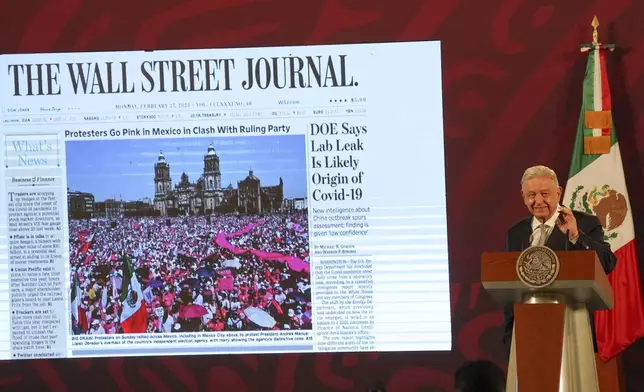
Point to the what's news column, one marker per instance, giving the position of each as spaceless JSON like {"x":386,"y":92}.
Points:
{"x":36,"y":206}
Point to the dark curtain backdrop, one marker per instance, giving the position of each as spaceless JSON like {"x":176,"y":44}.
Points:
{"x":512,"y":84}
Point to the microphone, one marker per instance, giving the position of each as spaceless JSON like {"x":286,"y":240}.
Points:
{"x":562,"y":220}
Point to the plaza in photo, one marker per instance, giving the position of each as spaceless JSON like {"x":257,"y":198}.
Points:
{"x":187,"y":235}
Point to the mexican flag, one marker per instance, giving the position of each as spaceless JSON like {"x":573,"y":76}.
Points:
{"x":597,"y":186}
{"x":134,"y":316}
{"x":78,"y":313}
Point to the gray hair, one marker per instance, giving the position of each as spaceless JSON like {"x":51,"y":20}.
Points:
{"x":539,"y":171}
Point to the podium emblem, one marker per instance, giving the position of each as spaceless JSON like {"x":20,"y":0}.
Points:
{"x":538,"y":266}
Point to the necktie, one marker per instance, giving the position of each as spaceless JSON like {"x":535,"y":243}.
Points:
{"x":542,"y":234}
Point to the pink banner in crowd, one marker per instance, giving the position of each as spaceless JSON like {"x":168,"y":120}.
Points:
{"x":226,"y":283}
{"x":293,"y":262}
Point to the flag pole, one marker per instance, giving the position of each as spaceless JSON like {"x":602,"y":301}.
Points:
{"x":595,"y":24}
{"x":609,"y":374}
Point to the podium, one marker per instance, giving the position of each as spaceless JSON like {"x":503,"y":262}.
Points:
{"x":552,"y":348}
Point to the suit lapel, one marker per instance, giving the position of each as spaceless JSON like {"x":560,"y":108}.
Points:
{"x":525,"y":230}
{"x":557,"y":239}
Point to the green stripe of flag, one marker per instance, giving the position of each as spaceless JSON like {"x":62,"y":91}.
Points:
{"x":74,"y":286}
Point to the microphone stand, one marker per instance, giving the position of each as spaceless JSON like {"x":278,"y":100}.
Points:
{"x":567,"y":233}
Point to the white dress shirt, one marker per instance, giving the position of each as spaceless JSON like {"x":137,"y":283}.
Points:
{"x":550,"y":225}
{"x":536,"y":228}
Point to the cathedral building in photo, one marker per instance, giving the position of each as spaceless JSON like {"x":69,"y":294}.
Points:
{"x":206,"y":195}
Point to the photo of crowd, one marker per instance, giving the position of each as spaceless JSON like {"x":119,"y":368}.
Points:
{"x":172,"y":270}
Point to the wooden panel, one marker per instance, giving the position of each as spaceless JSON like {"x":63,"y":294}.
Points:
{"x":579,"y":270}
{"x":575,"y":265}
{"x":499,"y":266}
{"x":610,"y":374}
{"x":539,"y":330}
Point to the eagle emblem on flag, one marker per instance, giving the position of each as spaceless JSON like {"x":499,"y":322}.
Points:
{"x":132,"y":297}
{"x":606,"y":203}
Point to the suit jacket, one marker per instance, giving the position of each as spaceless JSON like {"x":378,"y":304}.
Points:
{"x":591,"y":237}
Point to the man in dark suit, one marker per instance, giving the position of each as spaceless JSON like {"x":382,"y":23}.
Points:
{"x":542,"y":194}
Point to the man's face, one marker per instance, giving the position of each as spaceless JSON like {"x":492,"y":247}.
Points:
{"x":541,"y":196}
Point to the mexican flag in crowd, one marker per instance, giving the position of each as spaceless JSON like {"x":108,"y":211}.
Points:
{"x":597,"y":186}
{"x":134,"y":316}
{"x":78,"y":313}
